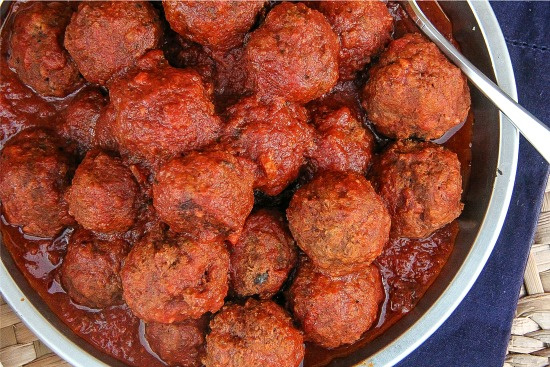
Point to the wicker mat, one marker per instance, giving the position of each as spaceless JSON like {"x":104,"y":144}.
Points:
{"x":529,"y":343}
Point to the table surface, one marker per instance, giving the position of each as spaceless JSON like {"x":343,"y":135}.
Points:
{"x":477,"y":333}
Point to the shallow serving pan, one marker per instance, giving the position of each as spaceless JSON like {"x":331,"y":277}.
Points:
{"x":494,"y":158}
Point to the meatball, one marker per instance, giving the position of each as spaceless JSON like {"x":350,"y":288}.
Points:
{"x":204,"y":195}
{"x":220,"y":25}
{"x":275,"y":135}
{"x":342,"y":144}
{"x":161,"y":111}
{"x":414,"y":91}
{"x":169,"y":278}
{"x":90,"y":272}
{"x":34,"y":174}
{"x":294,"y":54}
{"x":259,"y":333}
{"x":106,"y":37}
{"x":334,"y":311}
{"x":80,"y":117}
{"x":263,"y":256}
{"x":339,"y":221}
{"x":103,"y":194}
{"x":364,"y":28}
{"x":421,"y":185}
{"x":36,"y":49}
{"x":180,"y":344}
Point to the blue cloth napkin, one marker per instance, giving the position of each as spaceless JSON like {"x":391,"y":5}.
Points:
{"x":477,"y":333}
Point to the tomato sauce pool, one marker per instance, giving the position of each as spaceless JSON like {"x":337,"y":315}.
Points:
{"x":408,"y":266}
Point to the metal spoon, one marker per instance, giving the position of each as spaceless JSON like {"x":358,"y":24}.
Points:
{"x":530,"y":127}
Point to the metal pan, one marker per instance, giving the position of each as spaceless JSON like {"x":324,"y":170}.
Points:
{"x":494,"y":159}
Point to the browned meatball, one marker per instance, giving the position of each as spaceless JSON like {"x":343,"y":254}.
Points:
{"x":342,"y":144}
{"x":204,"y":195}
{"x":161,"y":111}
{"x":294,"y":54}
{"x":180,"y":344}
{"x":259,"y":333}
{"x":364,"y":28}
{"x":34,"y":174}
{"x":106,"y":37}
{"x":275,"y":135}
{"x":414,"y":91}
{"x":334,"y":311}
{"x":421,"y":185}
{"x":36,"y":48}
{"x":263,"y":256}
{"x":81,"y":117}
{"x":90,"y":272}
{"x":171,"y":278}
{"x":103,"y":194}
{"x":339,"y":221}
{"x":219,"y":25}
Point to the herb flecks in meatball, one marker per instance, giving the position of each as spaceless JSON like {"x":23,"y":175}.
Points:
{"x":259,"y":333}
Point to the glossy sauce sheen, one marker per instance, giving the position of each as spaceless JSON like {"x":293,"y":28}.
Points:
{"x":408,"y":266}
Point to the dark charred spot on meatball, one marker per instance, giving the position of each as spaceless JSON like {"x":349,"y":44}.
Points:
{"x":260,"y":333}
{"x":273,"y":134}
{"x":36,"y":50}
{"x":35,"y":171}
{"x":421,"y":185}
{"x":205,"y":196}
{"x":168,"y":278}
{"x":339,"y":221}
{"x":432,"y":97}
{"x":106,"y":38}
{"x":334,"y":311}
{"x":293,"y":54}
{"x":103,"y":196}
{"x":263,"y":257}
{"x":219,"y":25}
{"x":178,"y":344}
{"x":90,"y":272}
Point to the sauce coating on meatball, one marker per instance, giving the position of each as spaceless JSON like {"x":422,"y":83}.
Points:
{"x":169,"y":278}
{"x":259,"y":333}
{"x":421,"y":185}
{"x":264,"y":255}
{"x":35,"y":171}
{"x":206,"y":196}
{"x":294,"y":54}
{"x":90,"y":272}
{"x":161,"y":111}
{"x":220,"y":25}
{"x":106,"y":37}
{"x":334,"y":311}
{"x":342,"y":143}
{"x":274,"y":134}
{"x":339,"y":221}
{"x":180,"y":344}
{"x":103,"y":194}
{"x":430,"y":97}
{"x":36,"y":49}
{"x":364,"y":28}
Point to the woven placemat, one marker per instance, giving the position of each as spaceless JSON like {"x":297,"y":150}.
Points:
{"x":529,"y":343}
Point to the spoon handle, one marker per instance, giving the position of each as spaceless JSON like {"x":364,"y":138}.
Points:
{"x":530,"y":127}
